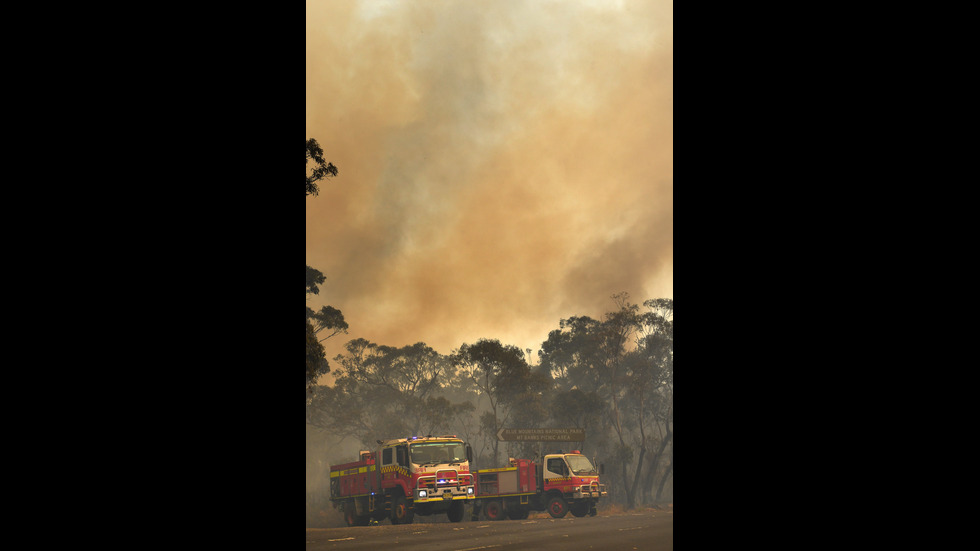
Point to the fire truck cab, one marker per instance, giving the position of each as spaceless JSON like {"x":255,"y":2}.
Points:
{"x":559,"y":484}
{"x":407,"y":476}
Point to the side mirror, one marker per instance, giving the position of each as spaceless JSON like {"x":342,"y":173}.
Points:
{"x":602,"y":468}
{"x":469,"y":453}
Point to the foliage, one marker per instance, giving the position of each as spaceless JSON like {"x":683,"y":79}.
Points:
{"x":620,"y":370}
{"x":321,"y":168}
{"x":503,"y":377}
{"x":328,"y":319}
{"x":612,"y":377}
{"x":314,"y":278}
{"x":316,"y":361}
{"x":385,"y":391}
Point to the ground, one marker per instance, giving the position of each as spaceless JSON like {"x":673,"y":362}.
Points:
{"x":331,"y":518}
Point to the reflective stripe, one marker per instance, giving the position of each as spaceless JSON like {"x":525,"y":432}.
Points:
{"x":348,"y":472}
{"x":500,"y":470}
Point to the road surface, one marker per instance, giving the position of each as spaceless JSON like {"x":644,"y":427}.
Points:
{"x":646,"y":529}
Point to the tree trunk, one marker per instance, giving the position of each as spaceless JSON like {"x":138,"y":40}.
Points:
{"x":649,"y":479}
{"x":639,"y":465}
{"x":670,"y":467}
{"x":626,"y":487}
{"x":630,"y":501}
{"x":663,"y":480}
{"x":660,"y":451}
{"x":636,"y":477}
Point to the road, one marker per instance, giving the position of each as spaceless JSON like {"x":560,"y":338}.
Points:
{"x":647,"y":529}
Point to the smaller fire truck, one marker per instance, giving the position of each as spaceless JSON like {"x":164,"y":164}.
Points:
{"x":404,"y":477}
{"x":563,"y":482}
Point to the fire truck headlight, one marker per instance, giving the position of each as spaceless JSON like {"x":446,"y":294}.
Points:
{"x":469,"y":490}
{"x":422,"y":493}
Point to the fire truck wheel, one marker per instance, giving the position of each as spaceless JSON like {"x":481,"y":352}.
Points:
{"x":455,"y":512}
{"x":518,"y":514}
{"x":353,"y":519}
{"x":400,"y":513}
{"x":493,"y":510}
{"x":557,"y":507}
{"x":580,"y":509}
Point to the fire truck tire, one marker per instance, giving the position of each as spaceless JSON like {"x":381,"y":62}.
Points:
{"x":353,"y":519}
{"x":455,"y":512}
{"x":580,"y":509}
{"x":518,"y":514}
{"x":493,"y":510}
{"x":557,"y":507}
{"x":400,"y":512}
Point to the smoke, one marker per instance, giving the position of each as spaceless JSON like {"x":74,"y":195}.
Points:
{"x":503,"y":164}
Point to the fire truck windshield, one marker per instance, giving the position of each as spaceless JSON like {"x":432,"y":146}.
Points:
{"x":438,"y":452}
{"x":580,"y":465}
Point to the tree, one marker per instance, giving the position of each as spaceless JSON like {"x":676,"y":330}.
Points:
{"x":574,"y":408}
{"x":625,"y":364}
{"x":528,"y":397}
{"x":386,"y":391}
{"x":314,"y":278}
{"x":503,"y":376}
{"x":439,"y":415}
{"x":321,"y":168}
{"x":353,"y":408}
{"x":658,"y":347}
{"x":316,"y":360}
{"x":329,"y":319}
{"x":572,"y":354}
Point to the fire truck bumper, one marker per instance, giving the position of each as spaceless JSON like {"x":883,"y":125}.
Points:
{"x":423,"y":495}
{"x":590,"y":492}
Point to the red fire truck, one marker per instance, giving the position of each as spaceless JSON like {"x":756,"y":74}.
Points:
{"x":563,"y":482}
{"x":404,"y":477}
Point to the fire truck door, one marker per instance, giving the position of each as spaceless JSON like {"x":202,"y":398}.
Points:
{"x":555,"y":467}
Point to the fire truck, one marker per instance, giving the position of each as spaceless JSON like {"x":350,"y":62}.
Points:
{"x":563,"y":482}
{"x":404,"y":477}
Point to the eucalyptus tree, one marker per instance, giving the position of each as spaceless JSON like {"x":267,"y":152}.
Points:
{"x":619,"y":363}
{"x":385,"y":392}
{"x":502,"y":374}
{"x":355,"y":408}
{"x":329,"y":317}
{"x":316,"y":359}
{"x":658,"y":347}
{"x":321,"y":168}
{"x":329,"y":320}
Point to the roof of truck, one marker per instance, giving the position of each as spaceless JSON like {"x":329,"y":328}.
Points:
{"x":413,"y":439}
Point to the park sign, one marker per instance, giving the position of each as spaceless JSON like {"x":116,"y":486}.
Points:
{"x":541,"y":435}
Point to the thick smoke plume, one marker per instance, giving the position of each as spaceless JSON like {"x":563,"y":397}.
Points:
{"x":503,"y":164}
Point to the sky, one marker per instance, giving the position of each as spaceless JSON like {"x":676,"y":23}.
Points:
{"x":503,"y":164}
